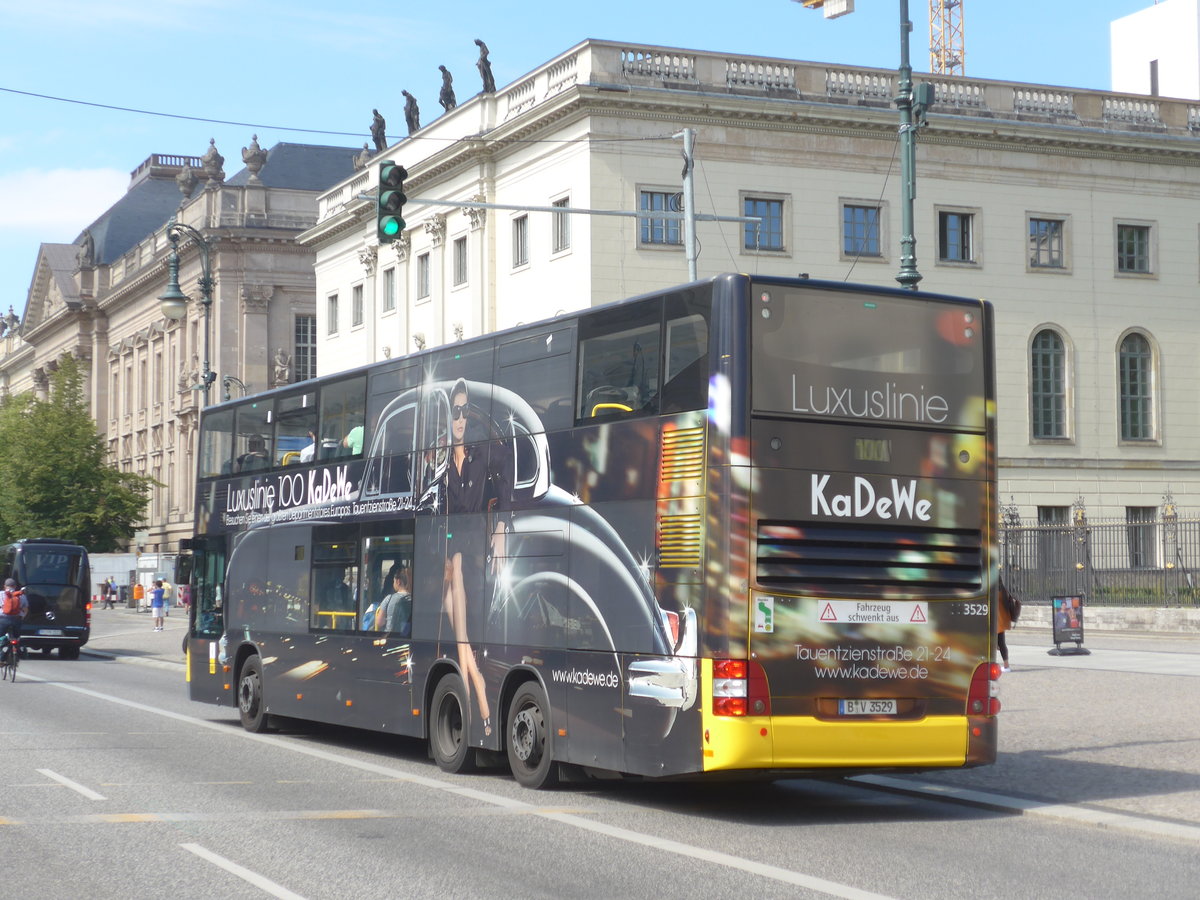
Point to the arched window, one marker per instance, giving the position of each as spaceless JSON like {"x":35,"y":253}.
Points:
{"x":1137,"y":389}
{"x":1048,"y":385}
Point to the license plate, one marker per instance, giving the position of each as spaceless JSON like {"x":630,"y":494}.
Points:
{"x":867,"y":707}
{"x":54,"y":632}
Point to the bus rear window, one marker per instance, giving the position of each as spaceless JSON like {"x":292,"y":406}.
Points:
{"x":861,"y":357}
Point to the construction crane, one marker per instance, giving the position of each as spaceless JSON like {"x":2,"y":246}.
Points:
{"x":947,"y":48}
{"x":946,"y":45}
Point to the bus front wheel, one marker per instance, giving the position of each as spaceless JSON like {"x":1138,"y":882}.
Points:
{"x":529,"y":744}
{"x":250,"y":697}
{"x":448,"y":737}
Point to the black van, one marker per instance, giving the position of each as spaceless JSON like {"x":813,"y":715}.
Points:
{"x":56,"y":578}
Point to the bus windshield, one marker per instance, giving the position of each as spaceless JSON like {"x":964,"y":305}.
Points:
{"x":875,"y":358}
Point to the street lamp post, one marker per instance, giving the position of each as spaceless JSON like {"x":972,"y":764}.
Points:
{"x":174,"y":301}
{"x":908,"y":276}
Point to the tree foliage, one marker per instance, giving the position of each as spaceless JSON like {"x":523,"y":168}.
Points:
{"x":55,"y":479}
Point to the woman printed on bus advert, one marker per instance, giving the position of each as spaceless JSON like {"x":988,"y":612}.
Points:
{"x":476,"y":481}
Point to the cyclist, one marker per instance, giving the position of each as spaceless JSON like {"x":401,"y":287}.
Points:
{"x":13,"y":608}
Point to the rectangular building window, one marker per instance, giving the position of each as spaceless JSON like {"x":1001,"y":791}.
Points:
{"x":460,"y":261}
{"x":1046,"y":244}
{"x":520,"y":241}
{"x":660,"y":230}
{"x":331,"y":314}
{"x":356,"y":305}
{"x":955,"y":238}
{"x":1141,"y":535}
{"x":561,"y":235}
{"x":306,"y":347}
{"x":423,"y":276}
{"x":768,"y":235}
{"x":1133,"y":249}
{"x":860,"y":231}
{"x":389,"y":290}
{"x":1054,"y":515}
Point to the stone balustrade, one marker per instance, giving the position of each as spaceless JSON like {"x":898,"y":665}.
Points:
{"x":610,"y":66}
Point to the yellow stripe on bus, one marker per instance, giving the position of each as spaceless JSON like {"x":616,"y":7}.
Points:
{"x":785,"y":742}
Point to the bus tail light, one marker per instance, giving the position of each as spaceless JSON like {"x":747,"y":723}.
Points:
{"x":739,"y":688}
{"x":981,"y":698}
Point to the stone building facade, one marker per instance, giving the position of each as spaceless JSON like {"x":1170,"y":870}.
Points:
{"x":97,"y":300}
{"x":1076,"y":212}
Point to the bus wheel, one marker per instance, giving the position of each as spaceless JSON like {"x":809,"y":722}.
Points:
{"x":529,"y":746}
{"x":448,"y":734}
{"x":250,"y":697}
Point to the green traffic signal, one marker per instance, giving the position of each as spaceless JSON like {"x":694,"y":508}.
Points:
{"x":389,"y":203}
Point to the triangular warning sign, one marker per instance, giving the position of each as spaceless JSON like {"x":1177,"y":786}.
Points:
{"x":827,"y":614}
{"x":918,"y":614}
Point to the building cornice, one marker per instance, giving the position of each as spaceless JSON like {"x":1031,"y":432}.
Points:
{"x":351,"y":217}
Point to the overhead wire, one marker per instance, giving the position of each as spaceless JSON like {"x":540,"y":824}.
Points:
{"x":262,"y":127}
{"x":878,"y":207}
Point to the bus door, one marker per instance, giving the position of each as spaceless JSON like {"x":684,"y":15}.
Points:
{"x":207,"y":678}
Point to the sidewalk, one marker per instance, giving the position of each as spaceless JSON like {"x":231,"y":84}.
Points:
{"x":126,"y":635}
{"x":1157,"y":620}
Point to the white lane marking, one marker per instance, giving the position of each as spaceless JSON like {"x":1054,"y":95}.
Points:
{"x":775,"y":873}
{"x":259,"y":881}
{"x":1080,"y":814}
{"x":73,"y":785}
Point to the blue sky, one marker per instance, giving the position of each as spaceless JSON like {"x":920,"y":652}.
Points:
{"x":281,"y":67}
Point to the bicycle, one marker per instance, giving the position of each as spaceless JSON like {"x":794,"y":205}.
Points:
{"x":10,"y":657}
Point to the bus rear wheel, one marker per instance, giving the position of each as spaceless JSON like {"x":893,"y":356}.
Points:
{"x":529,"y":746}
{"x":448,"y":736}
{"x":251,"y":706}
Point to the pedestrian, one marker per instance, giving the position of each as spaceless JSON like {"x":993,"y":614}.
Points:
{"x":168,"y":590}
{"x":1007,"y":611}
{"x":156,"y":605}
{"x":110,"y":593}
{"x":185,"y":595}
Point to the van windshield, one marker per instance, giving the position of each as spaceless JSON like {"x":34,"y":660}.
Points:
{"x":49,"y":565}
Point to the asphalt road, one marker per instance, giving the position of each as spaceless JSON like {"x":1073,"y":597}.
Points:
{"x":116,"y":786}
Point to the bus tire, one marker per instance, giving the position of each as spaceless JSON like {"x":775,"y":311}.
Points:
{"x":529,"y":744}
{"x":448,"y":734}
{"x":251,"y":705}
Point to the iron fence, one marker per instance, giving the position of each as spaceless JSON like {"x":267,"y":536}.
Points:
{"x":1110,"y":563}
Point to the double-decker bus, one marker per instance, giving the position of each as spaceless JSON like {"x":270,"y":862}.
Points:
{"x":745,"y":525}
{"x":56,"y":578}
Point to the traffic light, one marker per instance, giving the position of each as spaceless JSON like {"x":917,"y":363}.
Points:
{"x":389,"y":202}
